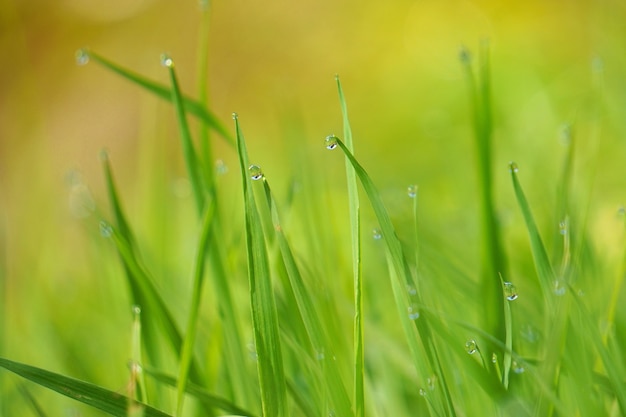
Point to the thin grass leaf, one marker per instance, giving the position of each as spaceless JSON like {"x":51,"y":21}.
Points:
{"x":543,"y":267}
{"x":401,"y":271}
{"x":201,"y":394}
{"x":318,"y":337}
{"x":264,"y":316}
{"x":186,"y":356}
{"x":508,"y":329}
{"x":84,"y":392}
{"x":189,"y":153}
{"x":191,"y":106}
{"x":492,"y":251}
{"x":37,"y":408}
{"x":355,"y":230}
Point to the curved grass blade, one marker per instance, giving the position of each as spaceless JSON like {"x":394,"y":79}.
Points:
{"x":355,"y":228}
{"x":312,"y":324}
{"x":191,"y":106}
{"x":264,"y":315}
{"x":540,"y":256}
{"x":85,"y":392}
{"x":191,"y":158}
{"x":208,"y":399}
{"x":192,"y":323}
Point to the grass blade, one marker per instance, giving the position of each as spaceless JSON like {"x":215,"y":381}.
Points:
{"x":191,"y":106}
{"x":191,"y":158}
{"x":208,"y":399}
{"x":85,"y":392}
{"x":355,"y":228}
{"x":264,"y":315}
{"x":192,"y":322}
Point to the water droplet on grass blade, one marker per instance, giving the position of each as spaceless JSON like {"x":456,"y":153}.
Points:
{"x":422,"y":392}
{"x":136,"y":310}
{"x":410,"y":288}
{"x":513,"y":167}
{"x":167,"y":61}
{"x":377,"y":234}
{"x":105,"y":229}
{"x":331,"y":142}
{"x":510,"y":291}
{"x":517,"y":368}
{"x":432,"y":382}
{"x":412,"y":191}
{"x":235,"y":116}
{"x":494,"y":358}
{"x":414,"y":313}
{"x":82,"y":56}
{"x":559,"y":288}
{"x":471,"y":346}
{"x":255,"y":172}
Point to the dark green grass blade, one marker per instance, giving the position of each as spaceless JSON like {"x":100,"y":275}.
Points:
{"x":400,"y":269}
{"x":189,"y":153}
{"x":355,"y":228}
{"x":186,"y":356}
{"x":544,"y":269}
{"x":492,"y":252}
{"x":85,"y":392}
{"x":306,"y":308}
{"x":264,"y":315}
{"x":191,"y":106}
{"x":210,"y":400}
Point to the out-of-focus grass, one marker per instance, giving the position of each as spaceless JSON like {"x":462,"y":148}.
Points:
{"x":550,"y":67}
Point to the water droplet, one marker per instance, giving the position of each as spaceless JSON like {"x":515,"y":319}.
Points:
{"x":513,"y":167}
{"x":377,"y":234}
{"x":255,"y":172}
{"x":220,"y":167}
{"x":510,"y":292}
{"x":563,"y":227}
{"x":410,"y":288}
{"x":529,"y":333}
{"x":517,"y":368}
{"x":331,"y":142}
{"x":235,"y":116}
{"x":82,"y":56}
{"x":336,"y":77}
{"x":105,"y":229}
{"x":432,"y":382}
{"x":414,"y":313}
{"x":136,"y":310}
{"x":331,"y":413}
{"x":422,"y":392}
{"x":412,"y":191}
{"x":494,"y":358}
{"x":167,"y":61}
{"x":559,"y":288}
{"x":471,"y":346}
{"x":319,"y":355}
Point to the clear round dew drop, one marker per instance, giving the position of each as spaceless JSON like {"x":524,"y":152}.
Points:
{"x":432,"y":382}
{"x":510,"y":291}
{"x":377,"y":234}
{"x":559,"y":288}
{"x":517,"y":368}
{"x":414,"y":313}
{"x":136,"y":310}
{"x":422,"y":392}
{"x":331,"y":142}
{"x":494,"y":358}
{"x":255,"y":172}
{"x":471,"y":346}
{"x":105,"y":229}
{"x":235,"y":116}
{"x":167,"y":61}
{"x":410,"y":288}
{"x":412,"y":191}
{"x":563,"y":227}
{"x":513,"y":168}
{"x":82,"y":56}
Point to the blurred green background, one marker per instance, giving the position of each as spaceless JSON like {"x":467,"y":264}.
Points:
{"x":273,"y":62}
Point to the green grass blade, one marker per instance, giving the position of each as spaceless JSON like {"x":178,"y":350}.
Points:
{"x":355,"y":228}
{"x":492,"y":252}
{"x":264,"y":315}
{"x":192,"y":106}
{"x":37,"y":408}
{"x":544,"y":269}
{"x":186,"y":356}
{"x":306,"y":308}
{"x":201,"y":394}
{"x":189,"y":153}
{"x":93,"y":395}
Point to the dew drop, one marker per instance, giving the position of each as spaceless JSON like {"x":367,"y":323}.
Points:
{"x":432,"y":382}
{"x":220,"y":167}
{"x":410,"y":288}
{"x":235,"y":116}
{"x":255,"y":172}
{"x":414,"y":313}
{"x":510,"y":292}
{"x":331,"y":142}
{"x":513,"y":167}
{"x":136,"y":310}
{"x":82,"y":56}
{"x":517,"y":368}
{"x":319,"y":355}
{"x":167,"y":61}
{"x":471,"y":346}
{"x":377,"y":234}
{"x":422,"y":392}
{"x":563,"y":227}
{"x":494,"y":358}
{"x":559,"y":289}
{"x":412,"y":191}
{"x":105,"y":229}
{"x":529,"y":333}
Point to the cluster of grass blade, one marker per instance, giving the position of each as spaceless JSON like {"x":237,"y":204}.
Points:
{"x":299,"y":356}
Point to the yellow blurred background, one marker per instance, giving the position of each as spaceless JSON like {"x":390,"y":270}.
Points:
{"x":273,"y":62}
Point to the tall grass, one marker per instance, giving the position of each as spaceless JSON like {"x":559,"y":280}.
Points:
{"x":318,"y":350}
